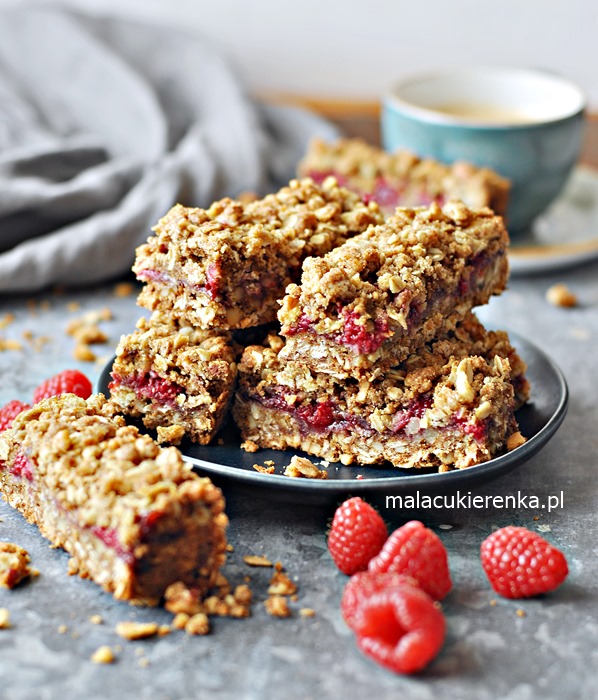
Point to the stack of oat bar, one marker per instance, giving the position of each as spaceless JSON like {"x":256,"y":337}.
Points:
{"x":208,"y":273}
{"x":381,"y":358}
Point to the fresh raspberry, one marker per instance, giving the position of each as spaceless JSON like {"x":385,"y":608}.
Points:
{"x":401,"y":628}
{"x":70,"y":381}
{"x":357,"y":534}
{"x":9,"y":412}
{"x":363,"y":585}
{"x":416,"y":551}
{"x":520,"y":563}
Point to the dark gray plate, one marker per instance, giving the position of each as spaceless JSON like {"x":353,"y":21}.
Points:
{"x":538,"y":420}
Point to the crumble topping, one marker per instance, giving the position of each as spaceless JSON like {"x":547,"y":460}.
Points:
{"x":14,"y":564}
{"x":300,"y":467}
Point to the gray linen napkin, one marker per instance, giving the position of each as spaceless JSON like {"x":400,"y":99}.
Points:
{"x":105,"y":123}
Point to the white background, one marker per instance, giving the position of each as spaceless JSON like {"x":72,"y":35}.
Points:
{"x":339,"y":49}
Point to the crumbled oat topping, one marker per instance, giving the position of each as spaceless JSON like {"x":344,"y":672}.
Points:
{"x":198,"y":624}
{"x":561,"y":295}
{"x":136,"y":630}
{"x":257,"y":560}
{"x":263,"y":470}
{"x":14,"y":564}
{"x":303,"y":468}
{"x":515,"y":440}
{"x":277,"y":606}
{"x":281,"y":584}
{"x":4,"y":619}
{"x":103,"y":655}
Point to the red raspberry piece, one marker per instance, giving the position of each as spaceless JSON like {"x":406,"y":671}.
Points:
{"x":416,"y":551}
{"x":401,"y":628}
{"x":9,"y":412}
{"x":364,"y":584}
{"x":520,"y":563}
{"x":70,"y":381}
{"x":357,"y":534}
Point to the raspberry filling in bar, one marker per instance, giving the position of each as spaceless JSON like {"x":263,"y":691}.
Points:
{"x":441,"y":408}
{"x":387,"y":291}
{"x":227,"y":266}
{"x":402,"y":178}
{"x":132,"y":515}
{"x":177,"y":379}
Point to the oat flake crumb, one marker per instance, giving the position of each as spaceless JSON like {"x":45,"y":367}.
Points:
{"x":561,"y":295}
{"x":103,"y":655}
{"x":136,"y":630}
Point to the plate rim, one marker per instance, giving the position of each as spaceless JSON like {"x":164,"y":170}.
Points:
{"x":324,"y":488}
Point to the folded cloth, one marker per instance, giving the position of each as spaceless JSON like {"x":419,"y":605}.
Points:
{"x":105,"y":123}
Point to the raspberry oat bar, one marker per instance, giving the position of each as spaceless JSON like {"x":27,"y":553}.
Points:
{"x":177,"y":379}
{"x":132,"y":515}
{"x":377,"y":298}
{"x":401,"y":178}
{"x":226,"y":267}
{"x":443,"y":407}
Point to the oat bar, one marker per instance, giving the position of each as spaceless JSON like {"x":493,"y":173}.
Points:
{"x":402,"y":178}
{"x":132,"y":515}
{"x":377,"y":298}
{"x":226,"y":267}
{"x":444,"y":407}
{"x":177,"y":379}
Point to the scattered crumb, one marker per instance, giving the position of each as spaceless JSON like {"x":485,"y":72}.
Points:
{"x":173,"y":434}
{"x":73,"y":306}
{"x":144,"y":662}
{"x":14,"y":564}
{"x":164,"y":630}
{"x":544,"y":528}
{"x":520,"y":613}
{"x":515,"y":440}
{"x":277,"y":606}
{"x":307,"y":612}
{"x":123,"y":289}
{"x":536,"y":518}
{"x":242,"y":594}
{"x":136,"y":630}
{"x":139,"y":651}
{"x":4,"y":619}
{"x":9,"y":344}
{"x":561,"y":295}
{"x":300,"y":467}
{"x":230,"y":548}
{"x":6,"y":320}
{"x":198,"y":624}
{"x":269,"y":462}
{"x":220,"y":442}
{"x":256,"y":560}
{"x":281,"y":584}
{"x":180,"y":599}
{"x":249,"y":446}
{"x":103,"y":655}
{"x":263,"y":470}
{"x":492,"y":603}
{"x":96,"y":619}
{"x":445,"y":526}
{"x":83,"y":353}
{"x":180,"y":620}
{"x":44,"y":305}
{"x":62,"y":629}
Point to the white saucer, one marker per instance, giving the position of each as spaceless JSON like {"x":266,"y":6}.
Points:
{"x":567,"y":234}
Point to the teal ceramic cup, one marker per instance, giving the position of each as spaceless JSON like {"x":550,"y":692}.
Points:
{"x":527,"y":125}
